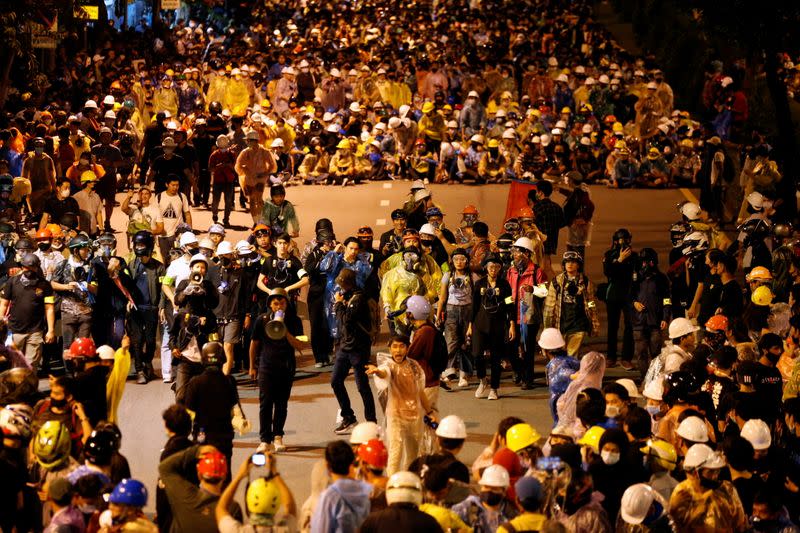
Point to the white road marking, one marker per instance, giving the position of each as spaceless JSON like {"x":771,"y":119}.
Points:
{"x":380,"y":222}
{"x":387,"y":185}
{"x":384,"y":203}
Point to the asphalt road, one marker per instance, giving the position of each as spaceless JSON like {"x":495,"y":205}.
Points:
{"x":312,"y":407}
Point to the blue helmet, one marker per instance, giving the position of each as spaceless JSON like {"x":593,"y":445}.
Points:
{"x":418,"y":307}
{"x":129,"y":492}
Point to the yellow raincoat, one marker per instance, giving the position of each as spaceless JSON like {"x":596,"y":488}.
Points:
{"x":430,"y":274}
{"x":237,"y":97}
{"x":115,"y":385}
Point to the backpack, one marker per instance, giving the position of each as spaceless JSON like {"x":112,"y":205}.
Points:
{"x":655,"y":369}
{"x":440,"y":354}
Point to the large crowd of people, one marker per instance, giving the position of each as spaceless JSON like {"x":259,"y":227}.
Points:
{"x":244,"y":110}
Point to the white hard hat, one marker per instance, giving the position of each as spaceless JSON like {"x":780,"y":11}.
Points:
{"x":524,"y":243}
{"x":473,"y":94}
{"x":495,"y":476}
{"x":477,"y":138}
{"x":630,"y":386}
{"x":562,"y":78}
{"x":336,"y":73}
{"x":509,"y":133}
{"x":187,"y":238}
{"x":417,"y":185}
{"x":587,"y":128}
{"x":106,"y":352}
{"x":757,"y":433}
{"x":289,"y":70}
{"x":365,"y":432}
{"x":452,"y":124}
{"x":693,"y":428}
{"x":198,"y":258}
{"x":690,"y":210}
{"x":219,"y":229}
{"x":551,"y":339}
{"x":756,"y":200}
{"x":256,"y":117}
{"x":545,"y":139}
{"x":556,"y":131}
{"x":252,"y":135}
{"x":404,"y":487}
{"x":354,"y":107}
{"x":90,"y":104}
{"x":603,"y":79}
{"x":500,"y":113}
{"x":654,"y":390}
{"x":702,"y":456}
{"x":224,"y":248}
{"x":427,"y":229}
{"x":452,"y":427}
{"x":580,"y":69}
{"x":277,"y":143}
{"x":223,"y":141}
{"x":244,"y":248}
{"x":636,"y":502}
{"x":680,"y":327}
{"x":421,"y":194}
{"x":561,"y":125}
{"x":394,"y":123}
{"x":403,"y":110}
{"x":652,"y":85}
{"x":589,"y":81}
{"x":110,"y":114}
{"x":207,"y":244}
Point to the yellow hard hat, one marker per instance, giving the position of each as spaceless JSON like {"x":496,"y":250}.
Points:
{"x":88,"y":175}
{"x":619,"y":145}
{"x":493,"y":143}
{"x":265,"y":104}
{"x":344,"y":143}
{"x":263,"y":497}
{"x":762,"y":296}
{"x":687,"y":143}
{"x":170,"y":72}
{"x":520,"y":436}
{"x":427,"y":107}
{"x":663,"y":452}
{"x":592,"y":438}
{"x":566,"y":110}
{"x":617,"y":127}
{"x":653,"y":153}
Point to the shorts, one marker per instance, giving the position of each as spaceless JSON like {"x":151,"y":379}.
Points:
{"x":230,"y":332}
{"x":252,"y":182}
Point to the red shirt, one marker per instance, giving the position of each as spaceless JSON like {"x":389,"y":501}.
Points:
{"x":221,"y":164}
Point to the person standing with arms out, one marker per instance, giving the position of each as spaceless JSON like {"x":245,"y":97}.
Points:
{"x":354,"y":325}
{"x":619,"y":263}
{"x":491,"y":325}
{"x":272,"y":362}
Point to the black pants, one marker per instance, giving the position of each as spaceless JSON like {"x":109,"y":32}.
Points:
{"x":321,"y":341}
{"x":224,"y":191}
{"x":204,"y":185}
{"x":274,"y":389}
{"x":341,"y":367}
{"x":142,"y":325}
{"x":614,"y":310}
{"x":493,"y":343}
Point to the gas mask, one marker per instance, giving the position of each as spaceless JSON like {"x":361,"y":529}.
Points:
{"x":29,"y":277}
{"x":141,"y":251}
{"x":491,"y":498}
{"x":411,"y":261}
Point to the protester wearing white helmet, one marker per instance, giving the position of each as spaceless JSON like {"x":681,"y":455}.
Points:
{"x":682,"y":334}
{"x":642,"y":505}
{"x":757,"y":433}
{"x":703,"y":500}
{"x":692,"y":430}
{"x":404,"y":496}
{"x":490,"y":507}
{"x":560,"y":366}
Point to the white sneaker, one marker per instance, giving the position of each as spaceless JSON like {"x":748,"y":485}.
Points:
{"x":462,"y":380}
{"x":264,"y":447}
{"x":278,"y":444}
{"x":493,"y":394}
{"x":319,"y":365}
{"x":481,"y":389}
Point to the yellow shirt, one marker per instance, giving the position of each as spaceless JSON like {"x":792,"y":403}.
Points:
{"x":525,"y":522}
{"x":448,"y":519}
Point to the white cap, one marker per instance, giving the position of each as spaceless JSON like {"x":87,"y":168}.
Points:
{"x":654,"y":390}
{"x":693,"y":428}
{"x":630,"y":386}
{"x":757,"y":433}
{"x":427,"y":229}
{"x":680,"y":327}
{"x":637,"y":501}
{"x":224,"y":248}
{"x":495,"y":476}
{"x":551,"y":339}
{"x":452,"y":427}
{"x":187,"y":238}
{"x":473,"y":94}
{"x":106,"y":352}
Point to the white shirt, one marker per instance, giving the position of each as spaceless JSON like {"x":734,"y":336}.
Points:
{"x":178,"y":271}
{"x":149,"y":214}
{"x":171,"y":209}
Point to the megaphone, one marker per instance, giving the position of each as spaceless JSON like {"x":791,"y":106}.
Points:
{"x":275,"y":328}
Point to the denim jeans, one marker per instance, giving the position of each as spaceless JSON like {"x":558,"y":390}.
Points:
{"x":341,"y":367}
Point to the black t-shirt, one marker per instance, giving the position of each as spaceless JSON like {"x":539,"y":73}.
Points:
{"x":731,"y":300}
{"x":769,"y":388}
{"x":710,"y":299}
{"x":27,"y":309}
{"x":212,"y":395}
{"x":282,"y":272}
{"x":163,"y":167}
{"x":276,"y":355}
{"x":56,"y":208}
{"x":90,"y":390}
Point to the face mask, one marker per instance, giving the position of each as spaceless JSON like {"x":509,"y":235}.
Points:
{"x":65,"y":194}
{"x":491,"y":498}
{"x":612,"y":411}
{"x":192,"y":251}
{"x":773,"y":358}
{"x":709,"y":483}
{"x":653,"y":410}
{"x":610,"y":458}
{"x":38,"y":150}
{"x":105,"y":250}
{"x":58,"y":403}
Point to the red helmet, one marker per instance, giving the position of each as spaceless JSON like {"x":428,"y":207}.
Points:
{"x":420,"y":142}
{"x":83,"y":347}
{"x":717,"y":323}
{"x":610,"y":119}
{"x":470,"y":210}
{"x":44,"y":235}
{"x":212,"y":465}
{"x":374,"y":453}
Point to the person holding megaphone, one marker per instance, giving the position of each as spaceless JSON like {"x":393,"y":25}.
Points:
{"x":272,"y":361}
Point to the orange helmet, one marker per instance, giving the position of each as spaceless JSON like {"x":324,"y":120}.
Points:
{"x":525,"y":212}
{"x":470,"y":210}
{"x":261,"y":227}
{"x":717,"y":323}
{"x":83,"y":347}
{"x":44,"y":235}
{"x":55,"y":231}
{"x":759,"y":273}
